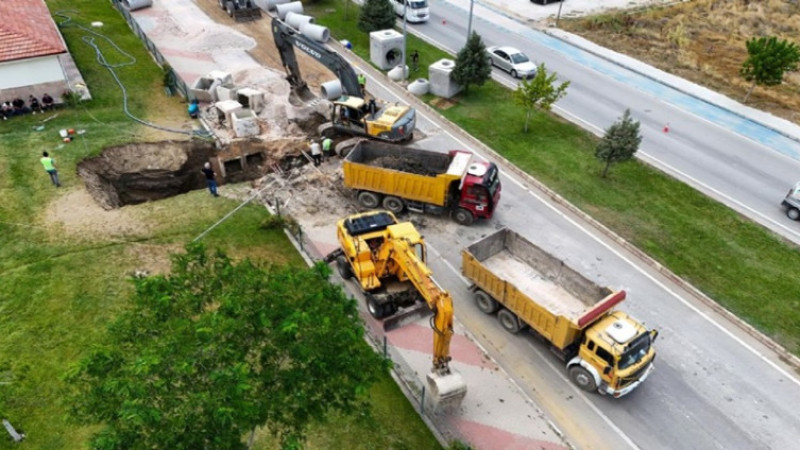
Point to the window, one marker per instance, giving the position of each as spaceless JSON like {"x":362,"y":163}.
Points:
{"x":591,"y":345}
{"x":605,"y":356}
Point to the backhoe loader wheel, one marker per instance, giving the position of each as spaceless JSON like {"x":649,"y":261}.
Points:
{"x":582,"y":378}
{"x":375,"y":309}
{"x":368,"y":199}
{"x":393,"y":204}
{"x":463,"y":216}
{"x":508,"y":320}
{"x":345,"y":271}
{"x":485,"y":302}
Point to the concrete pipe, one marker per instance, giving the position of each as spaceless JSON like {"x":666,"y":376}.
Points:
{"x":331,"y":90}
{"x":286,"y":8}
{"x":295,"y":20}
{"x":273,"y":4}
{"x":420,"y":86}
{"x":315,"y":32}
{"x":397,"y":73}
{"x":133,"y":5}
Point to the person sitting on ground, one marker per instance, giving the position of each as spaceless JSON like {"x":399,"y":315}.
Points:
{"x":19,"y":106}
{"x":7,"y":110}
{"x":193,"y":109}
{"x":47,"y":101}
{"x":34,"y":102}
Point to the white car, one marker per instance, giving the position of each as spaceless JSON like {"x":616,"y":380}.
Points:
{"x":512,"y":61}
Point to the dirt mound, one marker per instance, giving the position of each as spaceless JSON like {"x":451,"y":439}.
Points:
{"x":77,"y":214}
{"x":140,"y":172}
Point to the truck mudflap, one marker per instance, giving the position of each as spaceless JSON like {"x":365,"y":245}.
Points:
{"x":617,"y":393}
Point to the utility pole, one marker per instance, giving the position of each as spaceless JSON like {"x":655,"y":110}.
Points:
{"x":469,"y":24}
{"x":405,"y":38}
{"x":558,"y":16}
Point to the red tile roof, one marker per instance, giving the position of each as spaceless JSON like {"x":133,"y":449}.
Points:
{"x":27,"y":30}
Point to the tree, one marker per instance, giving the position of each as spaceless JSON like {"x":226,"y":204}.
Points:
{"x":768,"y":58}
{"x":472,"y":65}
{"x":376,"y":15}
{"x":215,"y":349}
{"x":620,"y":142}
{"x":539,"y":92}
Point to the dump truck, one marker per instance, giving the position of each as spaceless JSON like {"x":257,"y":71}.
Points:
{"x":604,"y":350}
{"x":387,"y":259}
{"x":400,"y":178}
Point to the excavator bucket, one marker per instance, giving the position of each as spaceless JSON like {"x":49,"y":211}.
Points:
{"x":407,"y":316}
{"x":447,"y":391}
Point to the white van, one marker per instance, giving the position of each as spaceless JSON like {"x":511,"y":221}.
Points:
{"x":417,"y":10}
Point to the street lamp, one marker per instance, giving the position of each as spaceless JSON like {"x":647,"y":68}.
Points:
{"x":558,"y":16}
{"x":469,"y":24}
{"x":405,"y":37}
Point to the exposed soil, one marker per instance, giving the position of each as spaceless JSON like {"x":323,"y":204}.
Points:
{"x":704,"y":41}
{"x":403,"y":165}
{"x":77,"y":214}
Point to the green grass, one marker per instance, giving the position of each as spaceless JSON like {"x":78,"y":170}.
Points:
{"x":59,"y":290}
{"x":744,"y":267}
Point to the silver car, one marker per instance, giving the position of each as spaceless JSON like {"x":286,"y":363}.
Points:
{"x":512,"y":61}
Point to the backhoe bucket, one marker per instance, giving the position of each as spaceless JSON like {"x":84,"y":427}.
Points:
{"x":405,"y":317}
{"x":302,"y":94}
{"x":447,"y":391}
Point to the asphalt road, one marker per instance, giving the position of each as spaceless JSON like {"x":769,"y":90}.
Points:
{"x":746,"y":166}
{"x":712,"y":388}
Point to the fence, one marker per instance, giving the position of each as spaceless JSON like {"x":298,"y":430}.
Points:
{"x":172,"y":82}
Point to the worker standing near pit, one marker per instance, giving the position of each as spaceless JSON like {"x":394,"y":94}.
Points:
{"x":362,"y":82}
{"x":327,"y":151}
{"x":316,"y":153}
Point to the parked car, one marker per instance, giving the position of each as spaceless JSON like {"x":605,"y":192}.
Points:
{"x":416,"y":10}
{"x":792,"y":202}
{"x":512,"y":61}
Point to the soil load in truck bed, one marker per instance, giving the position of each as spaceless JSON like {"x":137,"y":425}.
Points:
{"x":548,"y":292}
{"x":412,"y":160}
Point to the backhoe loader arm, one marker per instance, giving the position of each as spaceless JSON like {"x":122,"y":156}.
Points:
{"x":439,"y":301}
{"x":287,"y":38}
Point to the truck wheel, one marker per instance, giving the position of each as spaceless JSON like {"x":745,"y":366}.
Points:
{"x":230,"y":8}
{"x":485,"y":302}
{"x":221,"y":4}
{"x":463,"y":216}
{"x":369,"y":199}
{"x":509,"y":321}
{"x":582,"y":378}
{"x":393,"y":204}
{"x":345,"y":271}
{"x":793,"y":213}
{"x":375,"y":309}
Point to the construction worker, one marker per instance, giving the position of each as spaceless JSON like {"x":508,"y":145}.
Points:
{"x":327,"y":143}
{"x":50,"y":167}
{"x":316,"y":153}
{"x":362,"y":81}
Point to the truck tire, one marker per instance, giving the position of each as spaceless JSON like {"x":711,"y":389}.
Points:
{"x":368,"y":199}
{"x":508,"y":320}
{"x":343,"y":267}
{"x":582,"y":378}
{"x":230,"y":8}
{"x":221,"y":4}
{"x":793,"y":213}
{"x":463,"y":216}
{"x":485,"y":302}
{"x":393,"y":204}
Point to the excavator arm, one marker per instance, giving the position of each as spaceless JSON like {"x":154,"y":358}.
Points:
{"x":438,"y":300}
{"x":287,"y":38}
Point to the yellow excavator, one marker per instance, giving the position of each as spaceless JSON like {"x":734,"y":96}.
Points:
{"x":387,"y":259}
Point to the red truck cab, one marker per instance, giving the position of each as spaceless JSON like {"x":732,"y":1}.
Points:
{"x":479,"y":191}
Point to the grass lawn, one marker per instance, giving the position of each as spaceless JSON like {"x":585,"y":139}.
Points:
{"x":62,"y":282}
{"x":744,"y":267}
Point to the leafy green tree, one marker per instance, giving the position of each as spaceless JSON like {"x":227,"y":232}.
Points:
{"x":376,"y":15}
{"x":539,"y":92}
{"x":620,"y":142}
{"x":216,"y":349}
{"x":472,"y":65}
{"x":768,"y":58}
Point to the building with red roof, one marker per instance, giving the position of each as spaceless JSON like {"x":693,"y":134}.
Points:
{"x":33,"y":55}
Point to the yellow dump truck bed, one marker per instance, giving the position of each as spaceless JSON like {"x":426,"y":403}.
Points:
{"x":539,"y":288}
{"x":406,"y":172}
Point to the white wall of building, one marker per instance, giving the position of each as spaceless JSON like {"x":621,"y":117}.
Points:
{"x":31,"y":71}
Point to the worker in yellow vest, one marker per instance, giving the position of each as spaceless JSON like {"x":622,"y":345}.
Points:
{"x":362,"y":81}
{"x":327,"y":143}
{"x":50,"y":167}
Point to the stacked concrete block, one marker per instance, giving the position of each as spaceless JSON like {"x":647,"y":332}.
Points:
{"x":386,"y":48}
{"x":225,"y":110}
{"x":251,"y":98}
{"x":227,"y":93}
{"x":441,"y":83}
{"x":244,"y":123}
